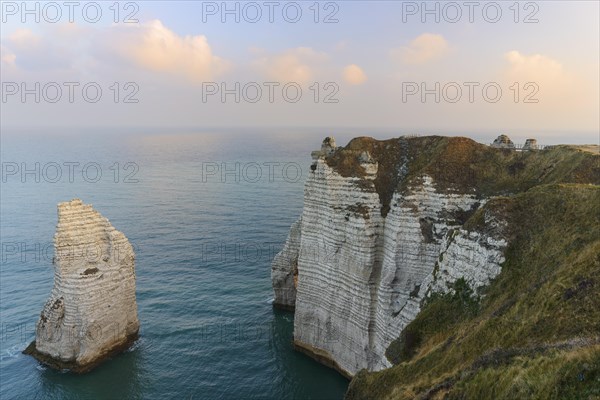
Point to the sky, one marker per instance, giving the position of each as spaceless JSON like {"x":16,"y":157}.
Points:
{"x":528,"y":68}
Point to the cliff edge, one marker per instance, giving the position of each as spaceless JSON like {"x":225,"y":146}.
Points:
{"x":392,"y":228}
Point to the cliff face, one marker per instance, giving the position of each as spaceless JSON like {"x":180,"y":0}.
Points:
{"x":535,"y":334}
{"x":385,"y":226}
{"x":92,"y":312}
{"x":284,"y":271}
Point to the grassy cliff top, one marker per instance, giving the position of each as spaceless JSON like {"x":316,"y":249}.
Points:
{"x":461,"y":165}
{"x":536,"y":332}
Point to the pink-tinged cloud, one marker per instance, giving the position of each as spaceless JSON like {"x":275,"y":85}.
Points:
{"x":548,"y":90}
{"x":354,"y":75}
{"x":300,"y":65}
{"x":24,"y":38}
{"x":155,"y":47}
{"x":533,"y":67}
{"x":7,"y":58}
{"x":424,"y":49}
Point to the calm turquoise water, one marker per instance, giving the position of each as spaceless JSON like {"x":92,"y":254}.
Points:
{"x":204,"y":247}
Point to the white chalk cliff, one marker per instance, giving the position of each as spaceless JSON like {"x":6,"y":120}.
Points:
{"x":284,"y":271}
{"x":92,"y":312}
{"x":364,"y":267}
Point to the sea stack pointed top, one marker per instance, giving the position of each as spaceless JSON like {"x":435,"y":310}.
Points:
{"x":92,"y":312}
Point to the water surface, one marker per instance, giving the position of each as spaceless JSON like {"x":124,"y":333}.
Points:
{"x":203,"y":245}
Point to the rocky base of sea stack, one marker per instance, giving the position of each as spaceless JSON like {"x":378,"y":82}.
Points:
{"x":73,"y":365}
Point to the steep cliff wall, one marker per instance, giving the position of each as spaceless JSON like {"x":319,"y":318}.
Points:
{"x":535,"y":334}
{"x":385,"y":226}
{"x":92,"y":311}
{"x":284,"y":271}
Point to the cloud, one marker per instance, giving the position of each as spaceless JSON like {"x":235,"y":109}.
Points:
{"x":155,"y":47}
{"x":534,"y":68}
{"x":299,"y":65}
{"x":22,"y":41}
{"x":7,"y":58}
{"x":423,"y":49}
{"x":354,"y":75}
{"x":72,"y":51}
{"x":341,"y":45}
{"x":560,"y":92}
{"x":555,"y":83}
{"x":24,"y":38}
{"x":28,"y":50}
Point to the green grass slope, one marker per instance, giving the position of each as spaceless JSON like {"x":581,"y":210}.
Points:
{"x":535,"y":331}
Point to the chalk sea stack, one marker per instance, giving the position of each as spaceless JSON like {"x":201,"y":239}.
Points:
{"x":91,"y":314}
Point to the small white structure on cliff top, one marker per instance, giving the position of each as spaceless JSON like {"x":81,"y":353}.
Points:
{"x":503,"y":142}
{"x":327,"y":148}
{"x":530,"y":144}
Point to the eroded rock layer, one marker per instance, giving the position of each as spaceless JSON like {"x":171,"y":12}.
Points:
{"x":92,"y":312}
{"x":385,"y":225}
{"x":284,"y":271}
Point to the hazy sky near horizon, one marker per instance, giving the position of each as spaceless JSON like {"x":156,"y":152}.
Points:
{"x":506,"y":66}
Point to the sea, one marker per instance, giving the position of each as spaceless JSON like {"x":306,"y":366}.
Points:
{"x":206,"y":210}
